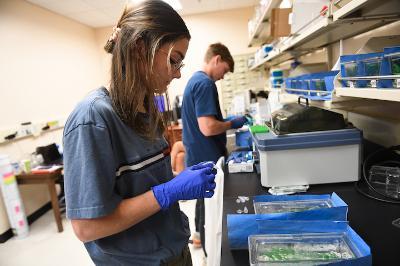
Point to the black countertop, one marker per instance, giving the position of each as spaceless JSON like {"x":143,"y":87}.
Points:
{"x":371,"y":219}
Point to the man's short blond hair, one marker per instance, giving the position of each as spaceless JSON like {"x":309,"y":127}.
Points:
{"x":221,"y":50}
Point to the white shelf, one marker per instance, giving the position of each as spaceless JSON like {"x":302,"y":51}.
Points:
{"x":326,"y":30}
{"x":349,"y":8}
{"x":376,"y":94}
{"x":42,"y":132}
{"x":261,"y":22}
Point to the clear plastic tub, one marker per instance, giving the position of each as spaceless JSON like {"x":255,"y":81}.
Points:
{"x":320,"y":84}
{"x":395,"y":63}
{"x":290,"y":206}
{"x":300,"y":249}
{"x":372,"y":66}
{"x":350,"y":69}
{"x":385,"y":179}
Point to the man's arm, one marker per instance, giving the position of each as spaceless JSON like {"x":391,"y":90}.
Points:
{"x":210,"y":126}
{"x":128,"y":213}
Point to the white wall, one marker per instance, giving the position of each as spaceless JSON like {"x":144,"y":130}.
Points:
{"x":48,"y":62}
{"x":228,"y":27}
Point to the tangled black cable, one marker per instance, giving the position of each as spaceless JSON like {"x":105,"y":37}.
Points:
{"x":387,"y":198}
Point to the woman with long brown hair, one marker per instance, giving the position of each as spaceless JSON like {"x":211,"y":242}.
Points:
{"x":121,"y":195}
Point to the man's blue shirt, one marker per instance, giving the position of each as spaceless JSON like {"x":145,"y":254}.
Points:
{"x":201,"y":99}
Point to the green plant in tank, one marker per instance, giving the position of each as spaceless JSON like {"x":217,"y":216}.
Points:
{"x":372,"y":68}
{"x":395,"y":65}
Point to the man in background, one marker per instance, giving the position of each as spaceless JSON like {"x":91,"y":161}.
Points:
{"x":204,"y":129}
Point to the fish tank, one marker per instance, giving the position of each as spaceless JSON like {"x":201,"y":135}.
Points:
{"x":394,"y":60}
{"x":291,"y":206}
{"x":319,"y":85}
{"x":395,"y":63}
{"x":372,"y":66}
{"x":350,"y":70}
{"x":301,"y":249}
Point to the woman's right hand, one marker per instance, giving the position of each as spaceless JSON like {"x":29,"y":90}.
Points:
{"x":194,"y":182}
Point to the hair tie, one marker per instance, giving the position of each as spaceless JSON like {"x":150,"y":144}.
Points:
{"x":115,"y":33}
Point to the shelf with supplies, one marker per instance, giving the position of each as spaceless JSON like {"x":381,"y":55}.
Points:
{"x":44,"y":129}
{"x":325,"y":29}
{"x":344,"y":104}
{"x":261,"y":22}
{"x":386,"y":94}
{"x":341,"y":94}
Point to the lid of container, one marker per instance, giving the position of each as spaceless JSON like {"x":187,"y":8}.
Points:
{"x":271,"y":142}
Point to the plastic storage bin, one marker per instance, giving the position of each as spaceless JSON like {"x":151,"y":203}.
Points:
{"x":291,"y":206}
{"x":301,"y":207}
{"x":361,"y":65}
{"x":391,"y":66}
{"x":371,"y":66}
{"x":395,"y":63}
{"x":309,"y":158}
{"x":348,"y":68}
{"x":301,"y":249}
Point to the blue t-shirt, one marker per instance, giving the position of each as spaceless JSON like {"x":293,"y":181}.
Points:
{"x":201,"y":99}
{"x":105,"y":161}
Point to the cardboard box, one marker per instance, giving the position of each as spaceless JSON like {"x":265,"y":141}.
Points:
{"x":280,"y":26}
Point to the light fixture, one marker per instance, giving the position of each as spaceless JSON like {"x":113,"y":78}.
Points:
{"x":175,"y":4}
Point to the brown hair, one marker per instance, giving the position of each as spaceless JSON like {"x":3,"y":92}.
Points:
{"x":221,"y":50}
{"x":142,"y":29}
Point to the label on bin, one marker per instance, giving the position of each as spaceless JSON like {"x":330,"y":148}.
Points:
{"x":351,"y":84}
{"x":373,"y":83}
{"x":397,"y":83}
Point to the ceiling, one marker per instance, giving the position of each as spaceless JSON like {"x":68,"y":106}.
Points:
{"x":102,"y":13}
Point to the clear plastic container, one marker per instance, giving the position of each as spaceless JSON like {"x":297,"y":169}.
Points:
{"x":395,"y":63}
{"x":320,"y":84}
{"x":300,"y":249}
{"x":290,"y":206}
{"x":372,"y":66}
{"x":351,"y":69}
{"x":385,"y":179}
{"x":394,"y":60}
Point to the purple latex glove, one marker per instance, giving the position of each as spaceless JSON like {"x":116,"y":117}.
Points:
{"x":194,"y":182}
{"x":238,"y":122}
